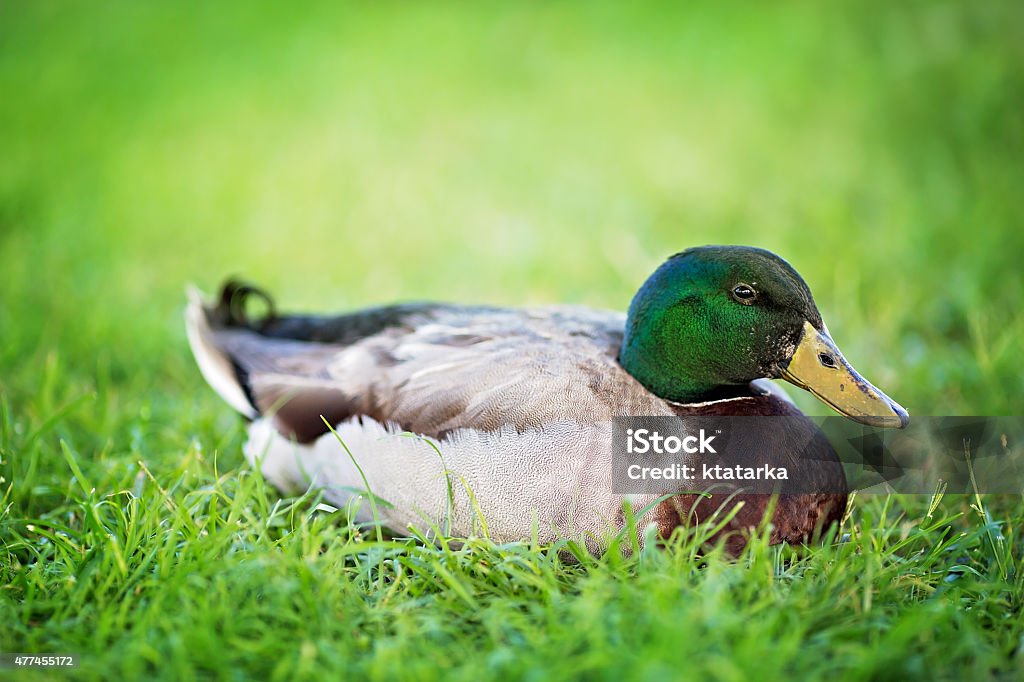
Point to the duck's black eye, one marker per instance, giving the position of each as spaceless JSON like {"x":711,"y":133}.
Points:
{"x":744,"y":293}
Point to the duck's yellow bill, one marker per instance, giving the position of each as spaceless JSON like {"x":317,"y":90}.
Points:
{"x":819,"y":367}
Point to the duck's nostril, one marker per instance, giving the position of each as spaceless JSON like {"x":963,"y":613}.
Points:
{"x":827,"y":360}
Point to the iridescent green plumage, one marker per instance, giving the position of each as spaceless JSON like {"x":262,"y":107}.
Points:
{"x":688,"y":337}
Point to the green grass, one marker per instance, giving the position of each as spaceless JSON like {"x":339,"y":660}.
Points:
{"x":528,"y":153}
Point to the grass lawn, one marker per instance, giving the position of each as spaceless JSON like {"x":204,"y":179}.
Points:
{"x":524,"y":154}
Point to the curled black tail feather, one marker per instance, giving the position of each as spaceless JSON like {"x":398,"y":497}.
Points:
{"x":231,"y":308}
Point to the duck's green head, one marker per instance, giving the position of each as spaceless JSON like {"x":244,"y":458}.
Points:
{"x":716,"y":317}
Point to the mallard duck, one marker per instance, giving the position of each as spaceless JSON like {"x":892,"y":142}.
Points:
{"x":513,"y":407}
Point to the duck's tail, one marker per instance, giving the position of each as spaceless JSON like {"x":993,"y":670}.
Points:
{"x":203,"y":323}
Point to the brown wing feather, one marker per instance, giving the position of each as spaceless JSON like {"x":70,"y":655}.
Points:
{"x":431,"y":368}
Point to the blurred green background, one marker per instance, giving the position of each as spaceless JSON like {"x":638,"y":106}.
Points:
{"x":344,"y":155}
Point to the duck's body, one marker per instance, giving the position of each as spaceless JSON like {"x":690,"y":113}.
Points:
{"x":513,"y":411}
